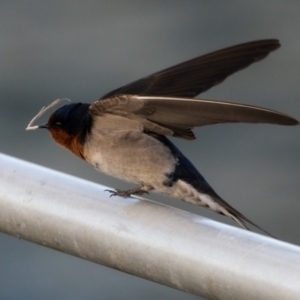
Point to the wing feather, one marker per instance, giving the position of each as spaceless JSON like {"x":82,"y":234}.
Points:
{"x":195,"y":76}
{"x":181,"y":115}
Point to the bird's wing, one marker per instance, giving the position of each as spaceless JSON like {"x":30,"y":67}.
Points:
{"x":180,"y":115}
{"x":197,"y":75}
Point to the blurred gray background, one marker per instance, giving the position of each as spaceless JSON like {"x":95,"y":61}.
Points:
{"x":83,"y":49}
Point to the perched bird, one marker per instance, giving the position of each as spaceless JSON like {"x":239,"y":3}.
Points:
{"x":123,"y":134}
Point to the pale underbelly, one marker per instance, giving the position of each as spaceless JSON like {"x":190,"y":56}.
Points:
{"x":140,"y":159}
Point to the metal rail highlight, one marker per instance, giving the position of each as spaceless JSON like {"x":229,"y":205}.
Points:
{"x":144,"y":238}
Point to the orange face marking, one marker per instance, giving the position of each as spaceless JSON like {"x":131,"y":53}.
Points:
{"x":69,"y":142}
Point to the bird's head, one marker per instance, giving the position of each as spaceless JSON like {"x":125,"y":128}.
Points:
{"x":67,"y":125}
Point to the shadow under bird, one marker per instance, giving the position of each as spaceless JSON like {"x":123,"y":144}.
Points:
{"x":123,"y":134}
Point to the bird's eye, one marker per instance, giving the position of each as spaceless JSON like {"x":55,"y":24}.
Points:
{"x":58,"y":124}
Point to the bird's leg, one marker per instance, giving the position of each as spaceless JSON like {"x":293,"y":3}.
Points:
{"x":127,"y":193}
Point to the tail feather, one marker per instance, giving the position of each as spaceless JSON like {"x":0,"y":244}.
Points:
{"x":186,"y":192}
{"x":190,"y":186}
{"x":241,"y":220}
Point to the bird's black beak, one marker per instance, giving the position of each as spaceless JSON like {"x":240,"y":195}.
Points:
{"x":44,"y":126}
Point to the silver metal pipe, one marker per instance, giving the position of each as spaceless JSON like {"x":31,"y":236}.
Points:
{"x":144,"y":238}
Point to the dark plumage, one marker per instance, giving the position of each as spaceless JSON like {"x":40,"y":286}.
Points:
{"x":62,"y":119}
{"x":197,"y":75}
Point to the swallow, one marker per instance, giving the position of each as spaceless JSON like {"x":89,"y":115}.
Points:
{"x":124,"y":133}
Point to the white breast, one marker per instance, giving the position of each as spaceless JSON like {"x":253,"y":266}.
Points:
{"x":118,"y":147}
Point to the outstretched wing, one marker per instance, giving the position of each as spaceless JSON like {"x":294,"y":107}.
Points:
{"x":180,"y":115}
{"x":197,"y":75}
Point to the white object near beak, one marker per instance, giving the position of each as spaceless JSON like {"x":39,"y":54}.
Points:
{"x":41,"y":112}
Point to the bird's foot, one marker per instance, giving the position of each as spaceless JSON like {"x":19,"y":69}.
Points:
{"x":127,"y":193}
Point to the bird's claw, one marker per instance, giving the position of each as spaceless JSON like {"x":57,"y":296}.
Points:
{"x":118,"y":192}
{"x":126,"y":194}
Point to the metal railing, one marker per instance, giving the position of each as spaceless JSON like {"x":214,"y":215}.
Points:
{"x":144,"y":238}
